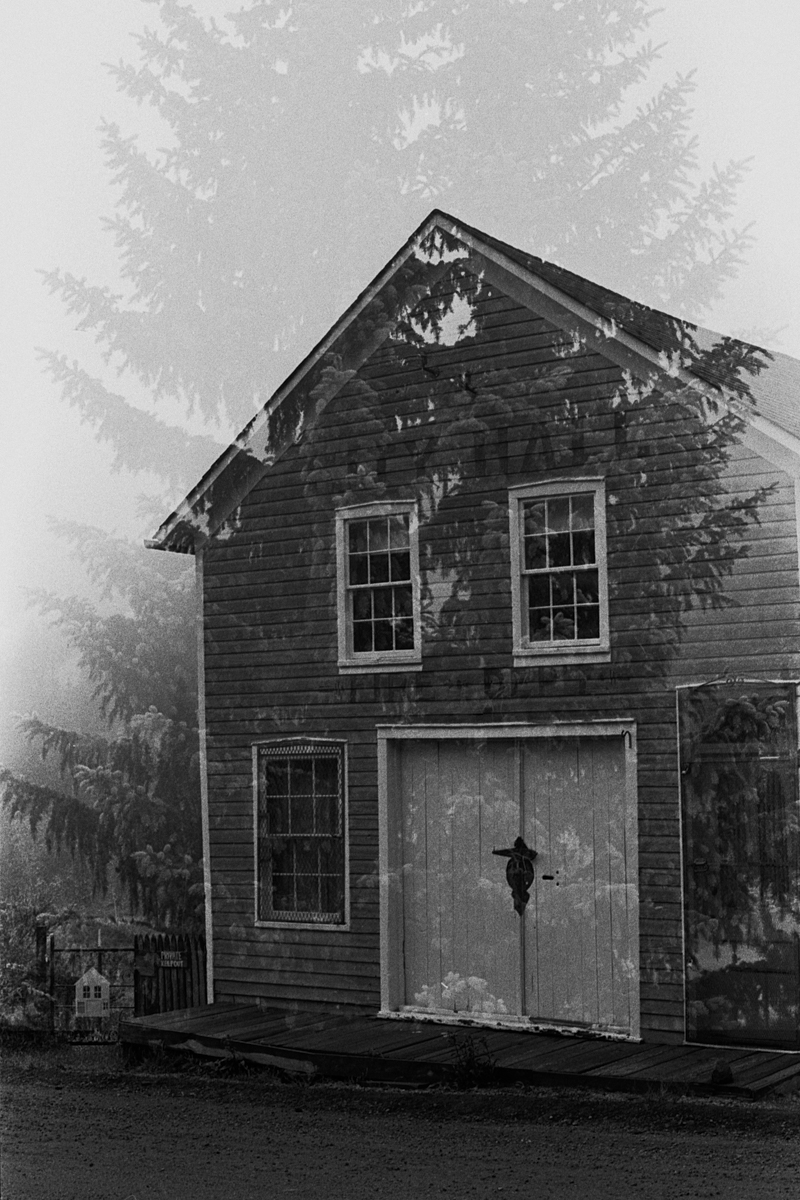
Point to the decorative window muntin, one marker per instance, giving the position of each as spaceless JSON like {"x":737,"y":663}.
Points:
{"x":378,"y":588}
{"x":558,"y":557}
{"x":300,"y":815}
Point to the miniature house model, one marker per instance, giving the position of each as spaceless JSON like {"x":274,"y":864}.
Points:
{"x":91,"y":994}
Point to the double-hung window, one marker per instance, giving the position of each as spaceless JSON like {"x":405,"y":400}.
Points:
{"x":559,"y":576}
{"x":377,"y":561}
{"x":300,"y":832}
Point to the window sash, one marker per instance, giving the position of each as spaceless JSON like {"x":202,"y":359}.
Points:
{"x":300,"y":833}
{"x":378,"y":585}
{"x":558,"y":560}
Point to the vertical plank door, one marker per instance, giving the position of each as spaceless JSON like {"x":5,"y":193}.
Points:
{"x":579,"y":940}
{"x":461,"y":944}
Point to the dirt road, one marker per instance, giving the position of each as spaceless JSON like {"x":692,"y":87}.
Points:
{"x":107,"y":1134}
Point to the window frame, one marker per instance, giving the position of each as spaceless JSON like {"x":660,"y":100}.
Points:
{"x":351,"y":662}
{"x":296,"y":745}
{"x":587,"y":650}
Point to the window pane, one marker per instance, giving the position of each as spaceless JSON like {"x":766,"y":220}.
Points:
{"x":539,"y":591}
{"x":379,"y":534}
{"x":404,"y":634}
{"x":539,"y":625}
{"x":398,"y":532}
{"x":583,"y":546}
{"x":583,"y":511}
{"x":382,"y":598}
{"x":535,"y":553}
{"x":276,"y":773}
{"x":558,"y":546}
{"x":359,"y":570}
{"x":587,"y":587}
{"x":563,"y":624}
{"x":362,"y":636}
{"x":328,"y":815}
{"x":301,"y":777}
{"x":379,"y":568}
{"x":362,"y":605}
{"x":307,"y":886}
{"x":276,"y":776}
{"x":282,"y":857}
{"x":588,"y":620}
{"x":403,"y":602}
{"x":558,"y":514}
{"x":326,"y":776}
{"x":563,"y":611}
{"x":331,"y":897}
{"x":401,"y":565}
{"x":563,"y":588}
{"x":303,"y":815}
{"x":384,"y":639}
{"x":282,"y":893}
{"x":534,"y":516}
{"x":357,"y":531}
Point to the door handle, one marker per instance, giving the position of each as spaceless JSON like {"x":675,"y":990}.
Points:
{"x":519,"y":872}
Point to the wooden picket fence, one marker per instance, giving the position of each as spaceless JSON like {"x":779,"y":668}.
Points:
{"x":169,"y":972}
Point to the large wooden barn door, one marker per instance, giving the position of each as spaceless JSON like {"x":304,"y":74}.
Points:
{"x":741,"y":841}
{"x":569,"y":958}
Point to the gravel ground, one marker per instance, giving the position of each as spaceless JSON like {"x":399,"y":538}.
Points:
{"x":77,"y":1124}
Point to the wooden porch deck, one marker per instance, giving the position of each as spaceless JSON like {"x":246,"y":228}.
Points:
{"x":371,"y":1049}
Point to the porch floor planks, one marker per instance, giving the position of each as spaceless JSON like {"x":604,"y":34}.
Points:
{"x":367,"y":1047}
{"x":496,"y":1040}
{"x":646,"y":1060}
{"x":367,"y":1037}
{"x":216,"y":1024}
{"x":546,"y":1053}
{"x":255,"y":1029}
{"x":183,"y":1016}
{"x":765,"y":1083}
{"x":589,"y":1056}
{"x":752,"y":1073}
{"x":302,"y":1037}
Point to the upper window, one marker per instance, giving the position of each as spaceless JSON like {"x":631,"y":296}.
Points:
{"x":378,"y":586}
{"x":558,"y":560}
{"x":300,"y":832}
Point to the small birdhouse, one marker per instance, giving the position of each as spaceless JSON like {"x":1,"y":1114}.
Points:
{"x":91,"y":994}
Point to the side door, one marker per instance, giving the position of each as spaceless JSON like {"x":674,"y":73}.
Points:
{"x":740,"y":803}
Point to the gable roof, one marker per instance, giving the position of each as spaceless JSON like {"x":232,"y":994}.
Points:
{"x":629,"y":333}
{"x":92,"y":975}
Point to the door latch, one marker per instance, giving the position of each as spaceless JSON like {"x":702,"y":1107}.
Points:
{"x":519,"y":872}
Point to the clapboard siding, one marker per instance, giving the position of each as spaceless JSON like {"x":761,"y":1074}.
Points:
{"x":270,"y":624}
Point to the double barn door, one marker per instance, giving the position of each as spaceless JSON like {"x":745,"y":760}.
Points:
{"x":458,"y":944}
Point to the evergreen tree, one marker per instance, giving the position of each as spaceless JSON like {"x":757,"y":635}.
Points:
{"x":129,"y":800}
{"x":303,"y":146}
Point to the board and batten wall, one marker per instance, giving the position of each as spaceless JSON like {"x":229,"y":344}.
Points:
{"x":270,"y":631}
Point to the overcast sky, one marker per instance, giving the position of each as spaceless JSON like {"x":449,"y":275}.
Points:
{"x":55,"y":190}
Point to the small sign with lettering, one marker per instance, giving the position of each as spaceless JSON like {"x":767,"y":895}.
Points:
{"x":172,"y":958}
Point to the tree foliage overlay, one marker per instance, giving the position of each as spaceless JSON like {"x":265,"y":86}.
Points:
{"x":130,"y":797}
{"x":301,"y":146}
